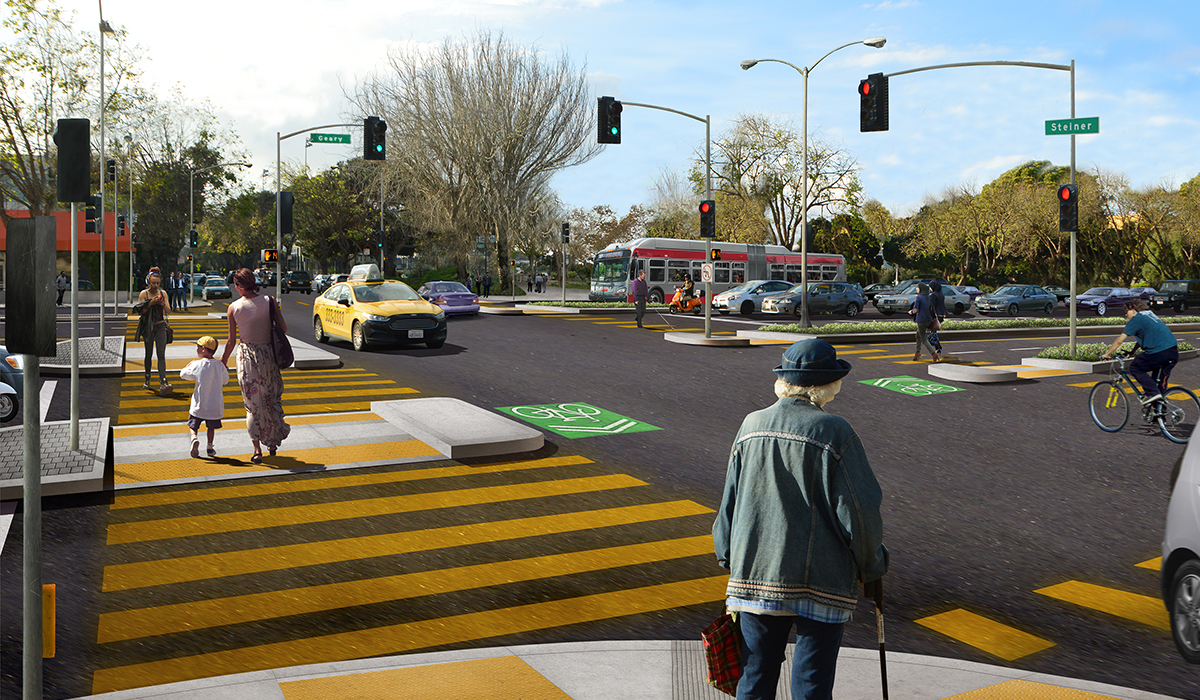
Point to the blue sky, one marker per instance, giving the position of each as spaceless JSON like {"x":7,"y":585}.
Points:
{"x":284,"y":66}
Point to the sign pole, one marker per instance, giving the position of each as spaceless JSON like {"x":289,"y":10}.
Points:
{"x":1071,"y":349}
{"x":31,"y":539}
{"x":708,"y":241}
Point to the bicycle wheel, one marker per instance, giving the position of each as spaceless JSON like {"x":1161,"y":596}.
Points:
{"x":1109,"y":406}
{"x":1178,"y":413}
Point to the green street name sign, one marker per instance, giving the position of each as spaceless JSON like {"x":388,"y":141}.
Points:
{"x":329,"y":138}
{"x":577,"y":420}
{"x":1082,"y":125}
{"x":911,"y":386}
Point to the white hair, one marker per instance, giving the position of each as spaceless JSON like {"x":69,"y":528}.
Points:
{"x":819,"y":395}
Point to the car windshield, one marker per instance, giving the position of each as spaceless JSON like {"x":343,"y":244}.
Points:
{"x":386,"y":291}
{"x":1099,"y":291}
{"x":450,"y":287}
{"x":611,"y":269}
{"x":1009,"y":291}
{"x":740,"y":288}
{"x":214,"y":282}
{"x":1174,"y":287}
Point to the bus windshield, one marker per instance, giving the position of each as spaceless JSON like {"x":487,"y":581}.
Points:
{"x":611,"y":270}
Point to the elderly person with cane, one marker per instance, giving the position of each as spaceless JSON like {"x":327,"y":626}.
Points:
{"x":799,"y":527}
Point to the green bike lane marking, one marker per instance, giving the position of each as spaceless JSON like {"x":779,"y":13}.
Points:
{"x":911,"y":386}
{"x":576,"y":420}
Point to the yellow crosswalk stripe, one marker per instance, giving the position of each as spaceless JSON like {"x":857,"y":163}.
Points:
{"x":239,"y":412}
{"x":120,"y":533}
{"x":502,"y":676}
{"x":397,"y":639}
{"x":146,"y":622}
{"x":985,"y":634}
{"x":119,"y":577}
{"x":184,"y":386}
{"x":181,"y":428}
{"x":235,"y":398}
{"x":332,"y":482}
{"x":188,"y":468}
{"x":1130,"y":606}
{"x":884,"y":357}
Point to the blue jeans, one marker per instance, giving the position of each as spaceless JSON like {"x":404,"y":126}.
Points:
{"x":1148,"y":362}
{"x":814,"y":660}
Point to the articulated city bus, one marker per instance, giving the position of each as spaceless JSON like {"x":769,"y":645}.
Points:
{"x":667,"y":260}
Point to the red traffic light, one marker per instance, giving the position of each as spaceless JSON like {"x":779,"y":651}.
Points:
{"x":864,"y":87}
{"x":705,"y":207}
{"x":1064,"y":193}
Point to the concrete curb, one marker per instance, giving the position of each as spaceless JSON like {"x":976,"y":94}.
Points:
{"x":428,"y":420}
{"x":975,"y":334}
{"x":63,"y":471}
{"x":971,"y":374}
{"x":720,"y":341}
{"x":1102,"y":367}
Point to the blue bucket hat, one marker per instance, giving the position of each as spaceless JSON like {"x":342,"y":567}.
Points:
{"x":811,"y":362}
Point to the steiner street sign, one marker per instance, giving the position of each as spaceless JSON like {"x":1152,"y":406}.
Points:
{"x":339,"y":138}
{"x":1082,"y":125}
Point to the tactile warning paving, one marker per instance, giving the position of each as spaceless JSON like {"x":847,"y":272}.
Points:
{"x":1027,"y":690}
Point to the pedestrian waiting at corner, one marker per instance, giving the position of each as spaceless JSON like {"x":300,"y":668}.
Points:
{"x":799,"y":528}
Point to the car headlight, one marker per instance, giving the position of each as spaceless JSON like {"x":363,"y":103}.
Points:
{"x":440,"y":315}
{"x":374,"y":317}
{"x":619,"y":290}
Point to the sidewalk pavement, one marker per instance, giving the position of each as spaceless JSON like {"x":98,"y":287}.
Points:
{"x":620,"y":670}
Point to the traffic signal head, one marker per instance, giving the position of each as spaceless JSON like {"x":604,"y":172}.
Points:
{"x":286,"y":202}
{"x":566,"y":232}
{"x":89,"y":213}
{"x":1068,"y":208}
{"x":112,"y":170}
{"x":716,"y":254}
{"x":608,"y":120}
{"x":374,"y":146}
{"x":873,"y":103}
{"x":708,"y":219}
{"x":269,"y":255}
{"x":73,"y":138}
{"x":121,"y":225}
{"x":380,"y":234}
{"x":194,"y":238}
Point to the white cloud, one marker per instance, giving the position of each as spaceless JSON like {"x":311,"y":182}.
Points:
{"x":890,"y":159}
{"x":893,"y":5}
{"x":989,"y":169}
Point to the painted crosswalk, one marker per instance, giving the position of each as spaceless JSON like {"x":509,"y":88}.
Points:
{"x":317,"y":568}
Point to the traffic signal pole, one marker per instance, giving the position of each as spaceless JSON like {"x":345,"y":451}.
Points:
{"x":1048,"y":66}
{"x":707,"y":120}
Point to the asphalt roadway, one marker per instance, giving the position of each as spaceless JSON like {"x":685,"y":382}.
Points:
{"x":991,"y":494}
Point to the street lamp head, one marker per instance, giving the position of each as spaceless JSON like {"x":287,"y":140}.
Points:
{"x":129,"y":138}
{"x":877,"y":42}
{"x":106,"y":27}
{"x":747,"y":65}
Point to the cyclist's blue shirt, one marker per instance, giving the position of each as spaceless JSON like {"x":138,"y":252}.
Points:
{"x":1152,"y":334}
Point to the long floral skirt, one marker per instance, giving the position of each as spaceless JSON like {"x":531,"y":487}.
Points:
{"x":262,"y":393}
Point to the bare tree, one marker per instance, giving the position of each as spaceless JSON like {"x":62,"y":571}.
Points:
{"x":482,"y":125}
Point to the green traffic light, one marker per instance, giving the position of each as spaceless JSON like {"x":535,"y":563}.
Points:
{"x":379,"y":148}
{"x":615,"y":131}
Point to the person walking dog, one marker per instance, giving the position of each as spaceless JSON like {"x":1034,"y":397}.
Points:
{"x":798,"y":528}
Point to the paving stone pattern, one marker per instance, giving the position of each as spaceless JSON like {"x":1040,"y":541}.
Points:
{"x":56,"y":458}
{"x":89,"y":352}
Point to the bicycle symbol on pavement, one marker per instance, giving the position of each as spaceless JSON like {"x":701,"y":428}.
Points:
{"x":912,"y":386}
{"x":576,"y":420}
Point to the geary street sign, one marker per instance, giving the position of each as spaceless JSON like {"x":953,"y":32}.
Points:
{"x":330,"y":138}
{"x":1082,"y":125}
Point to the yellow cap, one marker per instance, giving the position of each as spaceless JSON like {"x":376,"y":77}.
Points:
{"x":208,"y":341}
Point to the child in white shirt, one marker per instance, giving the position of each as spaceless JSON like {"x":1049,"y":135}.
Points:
{"x":208,"y":398}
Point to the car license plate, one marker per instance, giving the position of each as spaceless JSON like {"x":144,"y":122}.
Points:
{"x":416,"y":334}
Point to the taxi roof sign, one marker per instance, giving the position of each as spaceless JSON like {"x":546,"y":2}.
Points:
{"x":369,"y":272}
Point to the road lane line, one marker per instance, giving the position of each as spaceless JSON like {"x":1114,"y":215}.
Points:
{"x":187,"y":468}
{"x":1131,"y":606}
{"x":166,"y":619}
{"x":984,"y":634}
{"x":1154,"y":564}
{"x":45,"y":397}
{"x":351,"y":480}
{"x":150,"y":530}
{"x":408,"y":636}
{"x":119,"y":577}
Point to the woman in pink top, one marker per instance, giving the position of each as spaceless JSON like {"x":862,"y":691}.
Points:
{"x":257,"y":372}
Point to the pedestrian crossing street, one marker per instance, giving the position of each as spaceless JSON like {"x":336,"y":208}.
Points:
{"x":305,"y":391}
{"x":313,"y":568}
{"x":1142,"y":609}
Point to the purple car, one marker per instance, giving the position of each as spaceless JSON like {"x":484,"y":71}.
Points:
{"x":1143,"y":292}
{"x":1101,"y":299}
{"x":452,"y":297}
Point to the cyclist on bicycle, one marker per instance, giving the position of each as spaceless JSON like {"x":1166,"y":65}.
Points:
{"x":1159,"y":347}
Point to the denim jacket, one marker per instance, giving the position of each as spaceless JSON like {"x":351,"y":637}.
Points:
{"x":799,"y":518}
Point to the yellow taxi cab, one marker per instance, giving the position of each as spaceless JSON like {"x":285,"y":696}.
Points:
{"x":367,"y":309}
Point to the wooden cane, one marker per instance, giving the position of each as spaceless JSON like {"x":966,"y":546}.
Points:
{"x":879,"y":625}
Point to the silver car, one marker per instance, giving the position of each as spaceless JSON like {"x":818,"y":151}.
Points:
{"x":823,"y":298}
{"x":747,"y":298}
{"x":1180,"y":570}
{"x":956,"y":302}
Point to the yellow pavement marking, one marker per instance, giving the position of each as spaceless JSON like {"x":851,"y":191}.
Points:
{"x":1028,"y":372}
{"x":120,"y":533}
{"x":238,"y":412}
{"x":1154,"y":564}
{"x":119,"y":577}
{"x":235,"y":397}
{"x":233,"y":388}
{"x":148,"y":622}
{"x":397,"y":639}
{"x":851,"y":350}
{"x":305,"y":303}
{"x":240,"y":424}
{"x":987,"y":635}
{"x":186,"y":468}
{"x":498,"y":678}
{"x":350,"y":480}
{"x":884,"y":357}
{"x":611,"y":323}
{"x":1015,"y":690}
{"x":289,"y":375}
{"x":754,"y":341}
{"x":1130,"y":606}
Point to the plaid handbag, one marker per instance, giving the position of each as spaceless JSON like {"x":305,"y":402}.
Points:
{"x":723,"y":653}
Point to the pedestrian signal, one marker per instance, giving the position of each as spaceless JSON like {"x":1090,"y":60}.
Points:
{"x":716,"y":254}
{"x":270,"y":255}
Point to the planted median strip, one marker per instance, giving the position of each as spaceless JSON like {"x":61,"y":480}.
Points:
{"x":1091,"y":352}
{"x":985,"y":324}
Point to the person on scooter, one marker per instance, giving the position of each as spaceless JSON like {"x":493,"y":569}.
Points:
{"x":689,"y":289}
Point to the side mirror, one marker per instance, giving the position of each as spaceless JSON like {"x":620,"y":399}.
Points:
{"x":344,"y":302}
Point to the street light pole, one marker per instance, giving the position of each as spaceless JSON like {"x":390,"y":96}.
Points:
{"x":105,"y":28}
{"x":876,"y":42}
{"x":192,"y":220}
{"x":129,"y":218}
